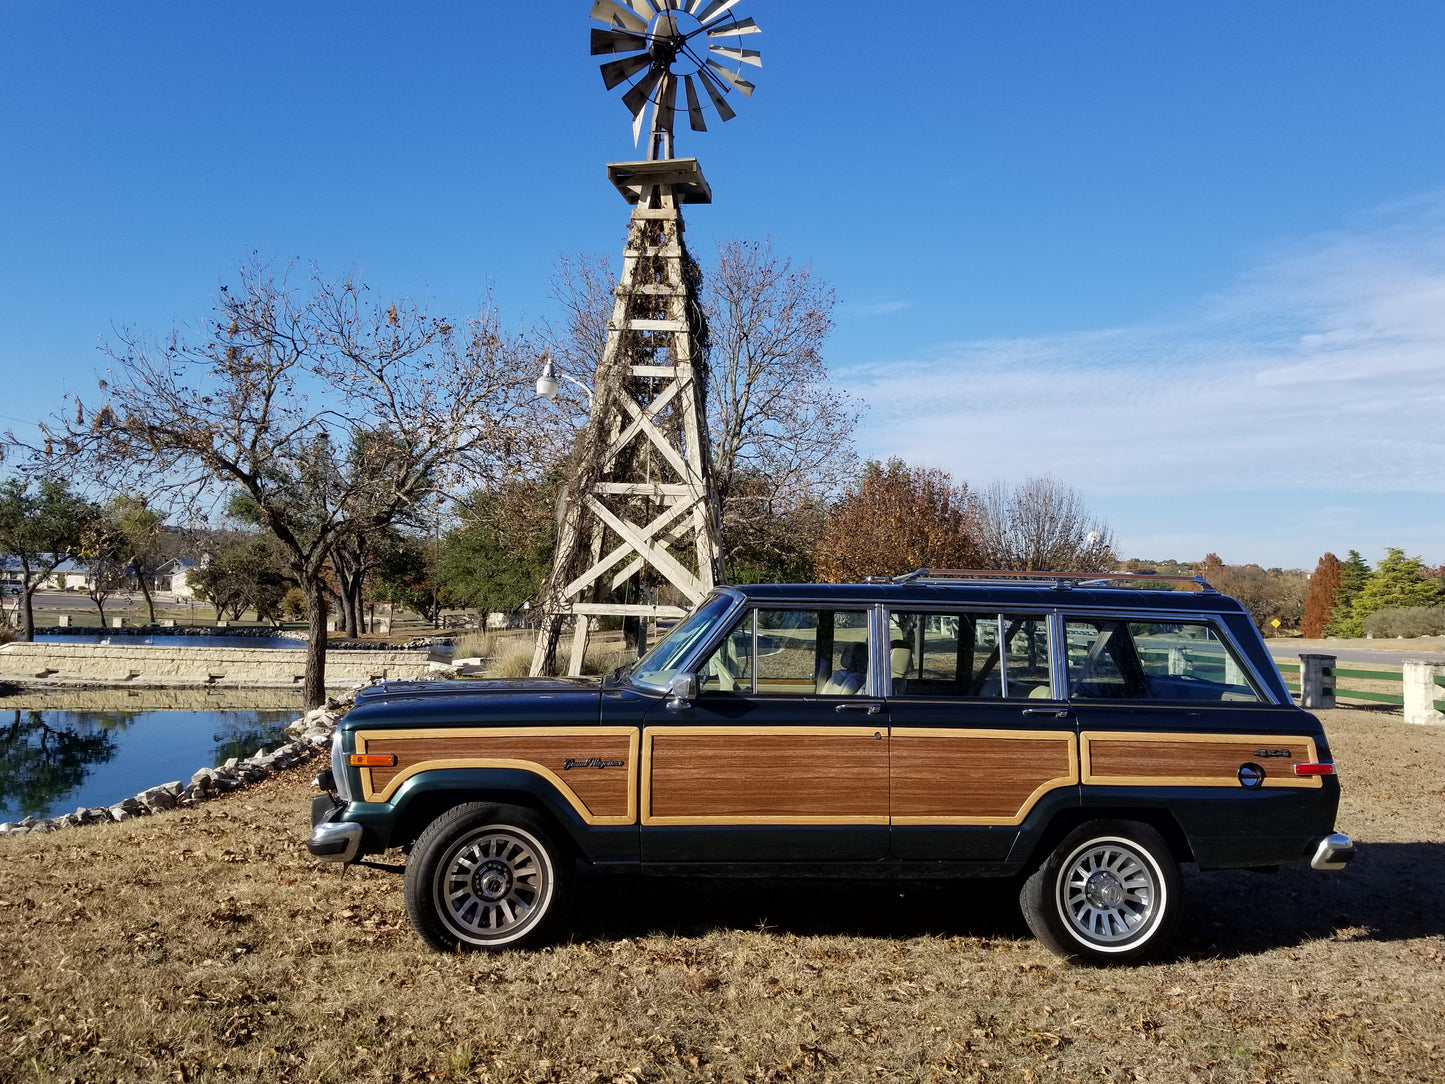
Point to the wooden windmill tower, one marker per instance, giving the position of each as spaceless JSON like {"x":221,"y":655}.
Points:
{"x":640,"y":512}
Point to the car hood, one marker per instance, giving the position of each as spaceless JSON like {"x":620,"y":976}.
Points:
{"x":521,"y":702}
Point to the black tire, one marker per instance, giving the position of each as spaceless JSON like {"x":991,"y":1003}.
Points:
{"x":484,"y":876}
{"x":1109,"y":893}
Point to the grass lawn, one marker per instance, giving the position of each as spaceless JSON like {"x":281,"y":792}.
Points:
{"x":206,"y":945}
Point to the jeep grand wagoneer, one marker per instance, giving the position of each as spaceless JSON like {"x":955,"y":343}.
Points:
{"x":1080,"y":738}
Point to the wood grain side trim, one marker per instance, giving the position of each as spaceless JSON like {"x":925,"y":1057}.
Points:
{"x":605,"y":796}
{"x":977,"y":777}
{"x":763,"y":775}
{"x":1146,"y":759}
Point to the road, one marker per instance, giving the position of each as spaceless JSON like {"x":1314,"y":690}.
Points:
{"x":1384,"y":656}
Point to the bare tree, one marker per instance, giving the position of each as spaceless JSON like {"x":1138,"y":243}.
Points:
{"x":1043,"y":526}
{"x":330,"y":414}
{"x":781,"y":432}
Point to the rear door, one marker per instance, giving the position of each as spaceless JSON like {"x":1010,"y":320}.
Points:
{"x":978,"y":738}
{"x":783,"y":755}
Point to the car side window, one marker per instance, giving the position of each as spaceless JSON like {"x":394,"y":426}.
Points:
{"x":1002,"y":656}
{"x":1115,"y":659}
{"x":791,"y":652}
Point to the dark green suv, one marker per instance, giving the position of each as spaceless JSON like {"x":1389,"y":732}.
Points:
{"x":1080,"y":738}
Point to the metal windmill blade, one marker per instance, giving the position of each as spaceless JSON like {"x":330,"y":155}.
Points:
{"x":657,"y":44}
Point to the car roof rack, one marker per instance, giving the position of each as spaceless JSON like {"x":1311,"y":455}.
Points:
{"x":951,"y":576}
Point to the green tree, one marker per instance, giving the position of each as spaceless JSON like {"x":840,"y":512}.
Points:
{"x":497,"y":559}
{"x":245,"y":573}
{"x":406,"y":576}
{"x":1398,"y":581}
{"x":1354,"y":572}
{"x":41,"y":525}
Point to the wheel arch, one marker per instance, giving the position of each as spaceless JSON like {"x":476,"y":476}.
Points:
{"x":428,"y":795}
{"x":1065,"y":821}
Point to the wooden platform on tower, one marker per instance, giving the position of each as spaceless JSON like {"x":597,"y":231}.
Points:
{"x":639,"y":535}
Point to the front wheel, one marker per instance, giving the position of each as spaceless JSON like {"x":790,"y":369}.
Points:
{"x":1109,"y":893}
{"x":486,"y":876}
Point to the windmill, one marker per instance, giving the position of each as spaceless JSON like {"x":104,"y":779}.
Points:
{"x":639,"y":514}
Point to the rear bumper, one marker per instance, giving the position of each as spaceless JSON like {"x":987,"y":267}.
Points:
{"x":1335,"y":851}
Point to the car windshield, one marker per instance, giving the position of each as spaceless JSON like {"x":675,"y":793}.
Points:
{"x":656,"y":668}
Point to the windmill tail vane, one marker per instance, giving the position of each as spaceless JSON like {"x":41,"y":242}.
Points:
{"x":663,"y":44}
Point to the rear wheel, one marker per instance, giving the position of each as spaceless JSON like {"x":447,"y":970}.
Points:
{"x":1109,"y":893}
{"x":485,"y":876}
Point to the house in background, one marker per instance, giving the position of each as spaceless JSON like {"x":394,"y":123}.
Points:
{"x":174,"y":576}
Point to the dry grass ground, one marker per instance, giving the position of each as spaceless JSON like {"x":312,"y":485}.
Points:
{"x":204,"y":945}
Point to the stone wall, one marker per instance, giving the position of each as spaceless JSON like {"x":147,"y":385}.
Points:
{"x":142,"y":665}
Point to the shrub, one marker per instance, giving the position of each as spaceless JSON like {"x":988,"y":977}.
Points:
{"x":605,"y":660}
{"x":7,"y":634}
{"x":293,"y":605}
{"x":512,"y":659}
{"x":1407,"y":621}
{"x":473,"y":645}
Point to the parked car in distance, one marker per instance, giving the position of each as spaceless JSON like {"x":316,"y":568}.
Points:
{"x":1071,"y":735}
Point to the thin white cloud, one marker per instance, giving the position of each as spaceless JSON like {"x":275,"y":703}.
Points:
{"x":869,"y":309}
{"x":1322,"y":368}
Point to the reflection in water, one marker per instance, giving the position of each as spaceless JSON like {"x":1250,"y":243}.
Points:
{"x":53,"y":761}
{"x":40,"y":762}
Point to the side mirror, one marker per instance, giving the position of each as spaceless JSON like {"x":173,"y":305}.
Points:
{"x":681,"y":690}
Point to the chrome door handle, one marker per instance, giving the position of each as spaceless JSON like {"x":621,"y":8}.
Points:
{"x":871,"y":709}
{"x":1057,"y":713}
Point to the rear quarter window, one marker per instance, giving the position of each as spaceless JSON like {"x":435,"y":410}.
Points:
{"x":1122,"y":659}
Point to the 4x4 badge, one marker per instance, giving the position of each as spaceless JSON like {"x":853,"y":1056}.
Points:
{"x":1262,"y":753}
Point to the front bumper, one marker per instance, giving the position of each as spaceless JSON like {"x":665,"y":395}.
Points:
{"x":331,"y":840}
{"x":1335,"y":851}
{"x":335,"y":842}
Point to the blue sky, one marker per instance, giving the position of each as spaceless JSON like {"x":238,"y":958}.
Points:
{"x":1188,"y":258}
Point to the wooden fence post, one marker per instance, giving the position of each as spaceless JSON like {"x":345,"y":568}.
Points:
{"x":1317,"y":681}
{"x":1421,"y":692}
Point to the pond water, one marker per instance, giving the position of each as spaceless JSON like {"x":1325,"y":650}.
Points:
{"x":53,"y":760}
{"x":169,"y":641}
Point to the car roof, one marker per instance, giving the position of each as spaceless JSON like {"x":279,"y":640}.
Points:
{"x":1073,"y":592}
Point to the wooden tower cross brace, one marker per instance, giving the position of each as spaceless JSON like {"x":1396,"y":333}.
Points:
{"x":640,"y":507}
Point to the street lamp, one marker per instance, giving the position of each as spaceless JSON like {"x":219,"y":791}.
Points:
{"x":547,"y":385}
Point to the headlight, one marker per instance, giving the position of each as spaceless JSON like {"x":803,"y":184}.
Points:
{"x":339,"y":769}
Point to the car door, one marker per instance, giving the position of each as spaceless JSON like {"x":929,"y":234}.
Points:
{"x":978,"y":738}
{"x":783,"y":754}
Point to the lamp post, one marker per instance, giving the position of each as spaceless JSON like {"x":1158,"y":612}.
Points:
{"x":547,"y":385}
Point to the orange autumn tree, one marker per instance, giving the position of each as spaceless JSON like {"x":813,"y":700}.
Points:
{"x":1320,"y":599}
{"x":898,"y":518}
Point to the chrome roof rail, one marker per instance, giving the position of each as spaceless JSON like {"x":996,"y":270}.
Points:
{"x":1060,"y":580}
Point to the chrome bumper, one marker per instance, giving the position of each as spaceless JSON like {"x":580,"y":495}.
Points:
{"x":1334,"y":852}
{"x":335,"y":842}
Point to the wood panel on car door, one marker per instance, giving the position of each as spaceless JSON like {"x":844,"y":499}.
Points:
{"x":965,"y":774}
{"x":753,"y":778}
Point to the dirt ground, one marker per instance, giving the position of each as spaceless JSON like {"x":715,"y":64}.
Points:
{"x":205,"y":945}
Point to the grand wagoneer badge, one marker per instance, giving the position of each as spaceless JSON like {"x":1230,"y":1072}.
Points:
{"x":590,"y":762}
